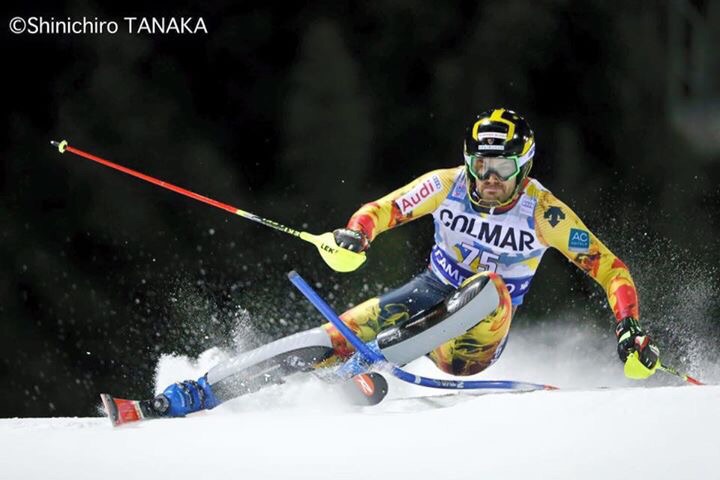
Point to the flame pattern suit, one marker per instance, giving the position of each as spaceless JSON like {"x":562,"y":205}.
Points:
{"x":508,"y":243}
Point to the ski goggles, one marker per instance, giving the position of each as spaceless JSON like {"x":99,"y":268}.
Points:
{"x":481,"y":167}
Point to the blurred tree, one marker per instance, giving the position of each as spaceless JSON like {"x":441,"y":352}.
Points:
{"x":327,"y":127}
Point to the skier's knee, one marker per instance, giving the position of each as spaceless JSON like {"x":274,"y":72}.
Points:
{"x":479,"y":347}
{"x":479,"y":297}
{"x":472,"y":285}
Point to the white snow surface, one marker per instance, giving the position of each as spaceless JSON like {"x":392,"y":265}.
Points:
{"x":657,"y":429}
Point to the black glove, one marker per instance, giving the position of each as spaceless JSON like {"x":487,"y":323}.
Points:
{"x":351,"y":239}
{"x":632,"y":339}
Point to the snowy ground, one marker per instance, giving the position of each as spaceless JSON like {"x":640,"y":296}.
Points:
{"x":656,"y":430}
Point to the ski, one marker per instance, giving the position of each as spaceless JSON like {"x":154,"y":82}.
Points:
{"x":121,"y":411}
{"x":366,"y":389}
{"x":444,"y":400}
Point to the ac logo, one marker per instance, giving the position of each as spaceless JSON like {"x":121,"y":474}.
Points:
{"x":579,"y":240}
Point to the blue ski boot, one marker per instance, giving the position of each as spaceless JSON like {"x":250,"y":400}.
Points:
{"x":182,"y":398}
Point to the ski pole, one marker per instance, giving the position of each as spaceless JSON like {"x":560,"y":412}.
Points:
{"x":684,"y":376}
{"x":339,"y":259}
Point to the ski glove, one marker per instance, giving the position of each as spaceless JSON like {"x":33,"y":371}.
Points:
{"x":636,"y":349}
{"x":351,"y":239}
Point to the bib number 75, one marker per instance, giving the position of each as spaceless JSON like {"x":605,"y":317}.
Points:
{"x":477,"y":260}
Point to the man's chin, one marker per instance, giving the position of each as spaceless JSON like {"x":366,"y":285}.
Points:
{"x":492,"y":197}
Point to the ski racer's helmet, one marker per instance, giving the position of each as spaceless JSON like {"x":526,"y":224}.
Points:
{"x":498,"y":142}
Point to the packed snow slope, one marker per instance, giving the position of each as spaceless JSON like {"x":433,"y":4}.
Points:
{"x":659,"y":429}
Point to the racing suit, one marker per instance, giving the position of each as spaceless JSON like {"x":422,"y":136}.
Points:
{"x":505,"y":243}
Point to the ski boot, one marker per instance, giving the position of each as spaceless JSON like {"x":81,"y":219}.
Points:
{"x":182,"y":398}
{"x":177,"y":400}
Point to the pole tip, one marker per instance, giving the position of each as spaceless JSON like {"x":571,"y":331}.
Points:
{"x":60,"y":145}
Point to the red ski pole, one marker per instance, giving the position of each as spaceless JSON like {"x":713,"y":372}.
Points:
{"x":684,"y":376}
{"x":339,"y":259}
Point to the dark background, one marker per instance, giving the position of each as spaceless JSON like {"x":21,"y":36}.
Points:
{"x":301,"y":112}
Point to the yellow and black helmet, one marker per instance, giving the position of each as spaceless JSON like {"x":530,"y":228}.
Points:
{"x":496,"y":135}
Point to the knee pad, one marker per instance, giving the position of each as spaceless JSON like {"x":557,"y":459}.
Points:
{"x":477,"y":298}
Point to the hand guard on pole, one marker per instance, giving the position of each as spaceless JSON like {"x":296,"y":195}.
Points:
{"x":352,"y":240}
{"x":636,"y":349}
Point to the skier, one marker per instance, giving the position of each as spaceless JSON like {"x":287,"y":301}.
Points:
{"x":493,"y":224}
